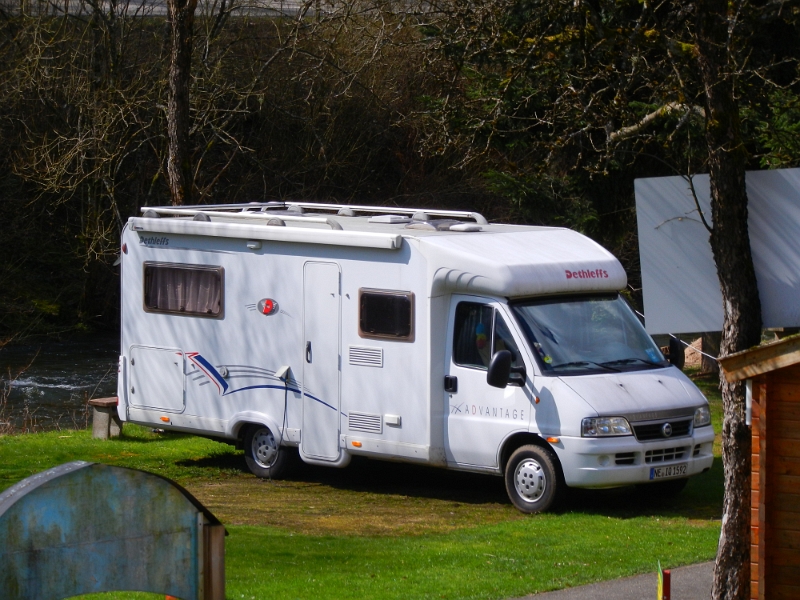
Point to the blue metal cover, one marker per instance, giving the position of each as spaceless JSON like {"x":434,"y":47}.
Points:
{"x":83,"y":528}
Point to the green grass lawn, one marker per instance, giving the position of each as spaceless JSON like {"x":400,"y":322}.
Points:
{"x":387,"y":530}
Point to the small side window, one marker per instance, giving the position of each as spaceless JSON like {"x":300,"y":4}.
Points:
{"x":188,"y":290}
{"x":386,"y":314}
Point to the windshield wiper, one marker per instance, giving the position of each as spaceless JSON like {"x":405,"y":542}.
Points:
{"x":581,"y":363}
{"x":627,"y":361}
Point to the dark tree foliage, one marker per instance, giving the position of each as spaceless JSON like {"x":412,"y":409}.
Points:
{"x":363,"y":100}
{"x":300,"y":105}
{"x":561,"y":104}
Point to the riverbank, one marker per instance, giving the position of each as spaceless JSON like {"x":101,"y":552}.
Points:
{"x":393,"y":530}
{"x":45,"y":383}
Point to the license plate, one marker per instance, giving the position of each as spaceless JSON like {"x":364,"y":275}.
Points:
{"x":670,"y":471}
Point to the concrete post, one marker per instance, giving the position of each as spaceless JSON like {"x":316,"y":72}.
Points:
{"x":105,"y":420}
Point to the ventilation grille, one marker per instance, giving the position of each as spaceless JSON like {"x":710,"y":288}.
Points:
{"x":665,"y":454}
{"x":364,"y":356}
{"x":625,"y":458}
{"x":365,"y":422}
{"x":654,"y":431}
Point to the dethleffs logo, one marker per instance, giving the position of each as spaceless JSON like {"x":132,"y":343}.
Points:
{"x":154,"y":241}
{"x":584,"y":274}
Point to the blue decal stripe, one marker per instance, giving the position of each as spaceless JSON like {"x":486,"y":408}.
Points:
{"x":212,"y":371}
{"x":264,"y":387}
{"x":280,"y":387}
{"x":321,"y":402}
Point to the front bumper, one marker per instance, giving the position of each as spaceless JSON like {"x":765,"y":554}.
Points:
{"x":618,"y":461}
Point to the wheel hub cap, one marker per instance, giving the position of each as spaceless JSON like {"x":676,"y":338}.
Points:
{"x":529,"y":480}
{"x":264,"y":448}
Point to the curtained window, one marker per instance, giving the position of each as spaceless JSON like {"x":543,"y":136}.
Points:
{"x":191,"y":290}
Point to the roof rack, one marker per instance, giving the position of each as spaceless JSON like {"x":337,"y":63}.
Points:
{"x":190,"y":211}
{"x":344,"y":210}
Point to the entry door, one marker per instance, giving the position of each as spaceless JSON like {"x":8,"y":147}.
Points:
{"x":321,"y":310}
{"x":479,"y":416}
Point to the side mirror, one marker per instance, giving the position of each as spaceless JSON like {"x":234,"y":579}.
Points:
{"x":518,"y":376}
{"x":499,"y":369}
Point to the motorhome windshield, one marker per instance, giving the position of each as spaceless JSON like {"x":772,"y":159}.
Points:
{"x":587,"y":334}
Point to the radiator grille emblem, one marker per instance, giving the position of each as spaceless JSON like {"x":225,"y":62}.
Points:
{"x":666,"y":430}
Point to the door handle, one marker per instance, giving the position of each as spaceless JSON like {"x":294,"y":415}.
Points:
{"x":451,"y":384}
{"x":308,"y":352}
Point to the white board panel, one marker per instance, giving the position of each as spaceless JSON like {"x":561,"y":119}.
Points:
{"x":679,"y":279}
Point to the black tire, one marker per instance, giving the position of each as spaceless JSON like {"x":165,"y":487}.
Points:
{"x":532,"y":479}
{"x":262,"y":454}
{"x":662,"y":489}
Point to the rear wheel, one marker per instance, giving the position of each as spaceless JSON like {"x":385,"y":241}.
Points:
{"x":263,"y":455}
{"x":532,"y":481}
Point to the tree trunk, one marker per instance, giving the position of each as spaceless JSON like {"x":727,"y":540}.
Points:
{"x":730,"y":244}
{"x":710,"y":345}
{"x":179,"y":170}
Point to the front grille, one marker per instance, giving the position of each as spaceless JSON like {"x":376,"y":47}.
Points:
{"x":655,"y":431}
{"x":665,"y":454}
{"x":625,"y":458}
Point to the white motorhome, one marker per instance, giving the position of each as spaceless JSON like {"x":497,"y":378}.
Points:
{"x":425,"y":336}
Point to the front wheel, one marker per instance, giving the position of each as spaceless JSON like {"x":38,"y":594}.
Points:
{"x":263,"y":455}
{"x":532,"y":480}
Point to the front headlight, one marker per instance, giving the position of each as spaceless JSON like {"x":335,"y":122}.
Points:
{"x":702,"y":416}
{"x":605,"y":426}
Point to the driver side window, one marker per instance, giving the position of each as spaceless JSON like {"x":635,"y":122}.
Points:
{"x":479,"y":331}
{"x":472,"y":335}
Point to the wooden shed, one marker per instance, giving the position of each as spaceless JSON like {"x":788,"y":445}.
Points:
{"x":772,"y":372}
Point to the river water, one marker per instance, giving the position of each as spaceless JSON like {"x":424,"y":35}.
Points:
{"x":61,"y":376}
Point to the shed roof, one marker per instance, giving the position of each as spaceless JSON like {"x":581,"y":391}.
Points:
{"x":761,"y":359}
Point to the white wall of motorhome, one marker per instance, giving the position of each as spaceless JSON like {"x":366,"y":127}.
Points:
{"x":251,"y":346}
